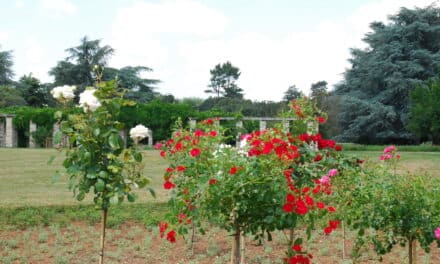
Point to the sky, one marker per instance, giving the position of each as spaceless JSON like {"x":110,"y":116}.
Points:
{"x":274,"y":43}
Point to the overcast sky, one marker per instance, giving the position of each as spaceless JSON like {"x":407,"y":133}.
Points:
{"x":275,"y":43}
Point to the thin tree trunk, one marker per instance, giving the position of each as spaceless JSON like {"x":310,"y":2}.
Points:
{"x":343,"y":241}
{"x":193,"y":237}
{"x":242,"y":248}
{"x":414,"y":251}
{"x":103,"y":225}
{"x":235,"y":255}
{"x":410,"y":252}
{"x":291,"y":236}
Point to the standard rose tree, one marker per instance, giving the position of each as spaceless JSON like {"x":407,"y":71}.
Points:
{"x":97,"y":161}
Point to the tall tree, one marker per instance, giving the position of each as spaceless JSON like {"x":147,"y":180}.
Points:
{"x":375,"y":91}
{"x":77,"y":68}
{"x":6,"y":63}
{"x":223,"y":81}
{"x":292,"y":93}
{"x":32,"y":91}
{"x":140,"y":89}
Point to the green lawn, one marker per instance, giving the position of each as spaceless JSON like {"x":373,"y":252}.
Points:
{"x":26,"y":178}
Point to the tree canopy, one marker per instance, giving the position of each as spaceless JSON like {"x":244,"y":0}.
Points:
{"x":223,"y":81}
{"x":375,"y":90}
{"x":292,"y":93}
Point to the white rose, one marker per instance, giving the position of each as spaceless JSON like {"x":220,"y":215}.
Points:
{"x":139,"y":132}
{"x":88,"y":101}
{"x":63,"y":93}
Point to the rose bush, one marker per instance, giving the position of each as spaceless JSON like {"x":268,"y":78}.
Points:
{"x":97,"y":160}
{"x":275,"y":179}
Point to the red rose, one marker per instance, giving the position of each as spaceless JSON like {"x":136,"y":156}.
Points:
{"x":168,"y":185}
{"x":321,"y":119}
{"x":288,"y":208}
{"x":213,"y":133}
{"x":212,"y":181}
{"x":297,"y":248}
{"x":338,"y":147}
{"x":181,"y":168}
{"x":317,"y":158}
{"x":163,"y":153}
{"x":328,"y":230}
{"x":171,"y":236}
{"x":233,"y":170}
{"x":195,"y":152}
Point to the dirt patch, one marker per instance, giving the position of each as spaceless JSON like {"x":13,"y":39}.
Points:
{"x":134,"y":243}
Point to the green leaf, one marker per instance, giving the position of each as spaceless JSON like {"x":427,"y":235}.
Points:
{"x":96,"y":132}
{"x":131,"y":197}
{"x":80,"y":196}
{"x":298,"y":241}
{"x":99,"y":185}
{"x":57,"y":138}
{"x":152,"y":192}
{"x":138,"y":157}
{"x":113,"y":141}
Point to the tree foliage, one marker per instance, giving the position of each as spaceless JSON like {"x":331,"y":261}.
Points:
{"x":6,"y":63}
{"x":222,"y":82}
{"x":10,"y":96}
{"x":77,"y":68}
{"x":400,"y":55}
{"x":129,"y":77}
{"x":292,"y":93}
{"x":425,"y":111}
{"x":33,"y":92}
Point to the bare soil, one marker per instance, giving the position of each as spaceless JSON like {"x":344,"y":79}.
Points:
{"x":134,"y":243}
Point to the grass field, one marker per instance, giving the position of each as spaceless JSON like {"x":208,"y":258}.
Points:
{"x":27,"y":179}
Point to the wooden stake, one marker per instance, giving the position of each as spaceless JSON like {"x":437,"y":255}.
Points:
{"x":103,"y":225}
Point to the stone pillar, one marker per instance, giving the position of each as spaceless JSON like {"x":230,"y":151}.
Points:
{"x":262,"y":125}
{"x":150,"y":137}
{"x":2,"y":133}
{"x":216,"y":123}
{"x":239,"y":126}
{"x":286,"y":125}
{"x":32,"y":129}
{"x":10,"y":133}
{"x":192,"y":124}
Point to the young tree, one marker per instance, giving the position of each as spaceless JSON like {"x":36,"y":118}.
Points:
{"x":222,"y":82}
{"x":6,"y":63}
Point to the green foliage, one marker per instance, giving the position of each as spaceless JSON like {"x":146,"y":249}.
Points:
{"x":292,"y":93}
{"x":400,"y":55}
{"x":425,"y":111}
{"x":85,"y":56}
{"x":6,"y":73}
{"x":10,"y":96}
{"x":33,"y":91}
{"x":388,"y":209}
{"x":98,"y":160}
{"x":222,"y":82}
{"x":41,"y":134}
{"x":139,"y":89}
